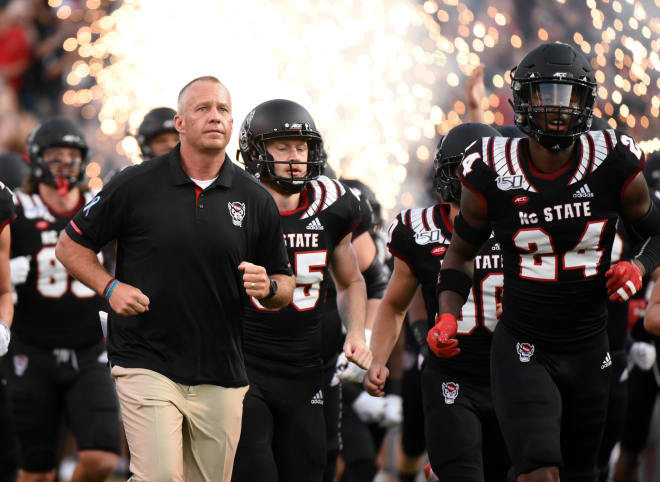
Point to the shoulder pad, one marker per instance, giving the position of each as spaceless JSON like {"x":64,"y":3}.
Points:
{"x":325,"y":192}
{"x":595,"y":146}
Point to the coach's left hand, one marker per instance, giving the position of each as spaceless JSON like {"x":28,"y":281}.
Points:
{"x":357,"y":350}
{"x":255,"y":280}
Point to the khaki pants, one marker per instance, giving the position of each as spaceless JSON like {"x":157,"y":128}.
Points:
{"x":178,"y":432}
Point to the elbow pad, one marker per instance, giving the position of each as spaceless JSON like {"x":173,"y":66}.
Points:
{"x":473,"y":236}
{"x":648,"y":228}
{"x":376,"y":277}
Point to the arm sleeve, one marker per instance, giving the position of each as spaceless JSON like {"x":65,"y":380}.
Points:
{"x":366,"y":217}
{"x":351,"y":214}
{"x":475,"y":173}
{"x":398,"y":239}
{"x":270,"y":248}
{"x":101,"y":219}
{"x":7,"y":207}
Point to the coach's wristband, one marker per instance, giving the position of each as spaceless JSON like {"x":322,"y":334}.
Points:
{"x":111,"y":288}
{"x":107,"y":286}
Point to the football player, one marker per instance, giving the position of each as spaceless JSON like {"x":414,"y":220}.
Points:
{"x":57,"y":357}
{"x":283,"y":433}
{"x":463,"y":438}
{"x":157,"y":135}
{"x":8,"y":455}
{"x":363,"y":424}
{"x":552,"y":200}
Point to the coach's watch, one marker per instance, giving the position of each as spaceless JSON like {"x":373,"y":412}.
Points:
{"x":273,"y":289}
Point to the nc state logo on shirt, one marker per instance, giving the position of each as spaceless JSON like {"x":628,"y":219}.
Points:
{"x":237,"y":212}
{"x":450,"y":391}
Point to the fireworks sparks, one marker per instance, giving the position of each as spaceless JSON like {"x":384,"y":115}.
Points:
{"x":382,"y":79}
{"x":360,"y":69}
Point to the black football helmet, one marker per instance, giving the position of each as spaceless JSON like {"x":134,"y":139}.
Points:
{"x":157,"y":121}
{"x":376,"y":209}
{"x":554,"y":90}
{"x":56,"y":132}
{"x":449,"y":155}
{"x":510,"y":131}
{"x":277,"y":119}
{"x":13,"y":170}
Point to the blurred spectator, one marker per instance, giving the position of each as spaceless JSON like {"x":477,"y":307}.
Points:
{"x":15,"y":125}
{"x":15,"y":51}
{"x":43,"y":82}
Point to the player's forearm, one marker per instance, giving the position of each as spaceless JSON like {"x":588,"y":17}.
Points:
{"x":652,"y":319}
{"x":6,"y":308}
{"x":652,"y":315}
{"x":285,"y":287}
{"x":387,"y":327}
{"x":352,"y":306}
{"x":82,"y":263}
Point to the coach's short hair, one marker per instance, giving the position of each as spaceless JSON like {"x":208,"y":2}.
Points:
{"x":182,"y":92}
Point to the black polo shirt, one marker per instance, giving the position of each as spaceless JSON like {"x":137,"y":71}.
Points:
{"x":182,"y":246}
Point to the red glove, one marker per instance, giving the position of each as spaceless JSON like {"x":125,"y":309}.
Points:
{"x":441,"y":339}
{"x":624,"y":279}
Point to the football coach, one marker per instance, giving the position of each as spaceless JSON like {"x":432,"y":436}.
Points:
{"x":196,"y":236}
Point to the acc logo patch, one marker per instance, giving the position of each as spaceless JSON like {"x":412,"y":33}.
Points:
{"x":41,"y":225}
{"x":525,"y":351}
{"x":237,"y":212}
{"x":439,"y":250}
{"x":450,"y":391}
{"x":520,"y":200}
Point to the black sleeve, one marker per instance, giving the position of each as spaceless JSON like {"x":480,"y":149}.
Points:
{"x":474,"y":170}
{"x":398,"y":239}
{"x":366,"y":217}
{"x":7,"y":206}
{"x":353,"y":213}
{"x":270,"y":249}
{"x":101,"y":219}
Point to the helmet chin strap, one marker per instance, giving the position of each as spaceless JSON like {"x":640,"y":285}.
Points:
{"x":62,"y":185}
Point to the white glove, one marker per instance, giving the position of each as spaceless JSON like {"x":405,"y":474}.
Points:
{"x":642,"y":354}
{"x":5,"y":335}
{"x":369,"y":409}
{"x":393,"y":415}
{"x":348,"y":371}
{"x":19,"y":268}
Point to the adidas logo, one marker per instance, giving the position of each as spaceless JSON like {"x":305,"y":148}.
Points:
{"x":607,"y":362}
{"x":318,"y":398}
{"x":315,"y":225}
{"x":584,"y":191}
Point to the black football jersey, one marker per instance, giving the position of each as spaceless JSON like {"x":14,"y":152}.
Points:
{"x":53,"y":309}
{"x":420,"y":237}
{"x":556,"y":230}
{"x":327,"y":213}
